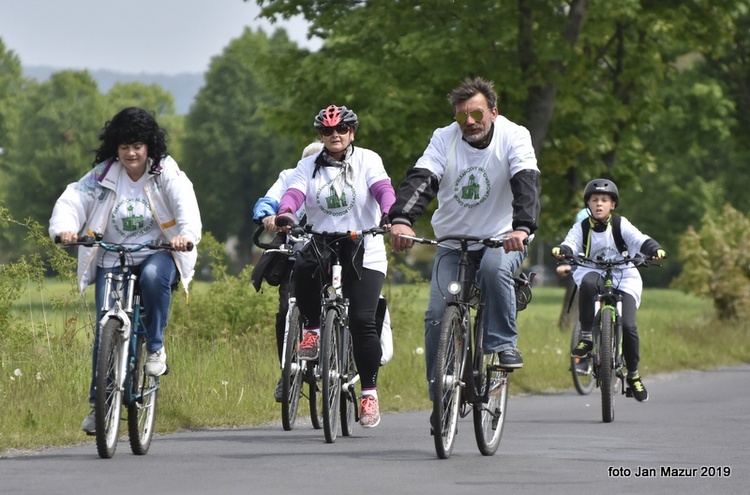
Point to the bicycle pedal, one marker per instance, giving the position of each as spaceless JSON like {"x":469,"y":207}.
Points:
{"x":166,"y":371}
{"x":628,"y":392}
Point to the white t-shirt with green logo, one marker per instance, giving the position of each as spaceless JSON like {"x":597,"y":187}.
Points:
{"x":475,"y":197}
{"x":131,"y":220}
{"x":336,"y":203}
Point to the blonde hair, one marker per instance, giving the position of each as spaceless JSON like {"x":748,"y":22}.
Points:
{"x":312,"y":149}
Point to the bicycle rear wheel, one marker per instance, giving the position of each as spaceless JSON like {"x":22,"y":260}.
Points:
{"x":582,"y":370}
{"x":312,"y":374}
{"x":142,"y":406}
{"x":490,"y":412}
{"x":348,"y":396}
{"x":446,"y":391}
{"x":292,"y":373}
{"x":331,"y":374}
{"x":607,"y":378}
{"x":108,"y":389}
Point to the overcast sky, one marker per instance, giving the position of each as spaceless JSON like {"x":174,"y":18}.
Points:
{"x":152,"y":36}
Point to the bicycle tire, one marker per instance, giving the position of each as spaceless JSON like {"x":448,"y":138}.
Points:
{"x":446,"y":397}
{"x":292,"y":373}
{"x":312,"y":372}
{"x":490,"y":412}
{"x":607,"y":376}
{"x":330,"y":373}
{"x":582,"y":370}
{"x":108,"y":403}
{"x":348,"y":397}
{"x":144,"y":391}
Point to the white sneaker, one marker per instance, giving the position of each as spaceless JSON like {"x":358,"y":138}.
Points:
{"x":156,"y":363}
{"x":89,"y":423}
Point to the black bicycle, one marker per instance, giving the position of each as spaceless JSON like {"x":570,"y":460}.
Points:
{"x":338,"y":370}
{"x":606,"y":359}
{"x":120,"y":374}
{"x":467,"y":379}
{"x":295,"y":372}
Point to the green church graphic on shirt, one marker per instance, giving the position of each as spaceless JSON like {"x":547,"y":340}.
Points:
{"x":132,"y":222}
{"x":335,"y":202}
{"x":472,"y":187}
{"x":132,"y":217}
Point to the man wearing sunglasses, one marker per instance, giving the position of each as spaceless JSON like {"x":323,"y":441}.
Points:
{"x":483,"y":171}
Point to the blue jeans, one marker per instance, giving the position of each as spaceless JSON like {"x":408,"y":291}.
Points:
{"x":157,"y":275}
{"x":495,"y":277}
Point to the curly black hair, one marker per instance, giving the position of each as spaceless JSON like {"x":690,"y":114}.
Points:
{"x":132,"y":125}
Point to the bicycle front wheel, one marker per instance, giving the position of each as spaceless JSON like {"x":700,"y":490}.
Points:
{"x":446,"y":388}
{"x":348,"y":394}
{"x":490,"y":412}
{"x":582,"y":370}
{"x":108,"y":389}
{"x":142,"y":406}
{"x":607,"y":378}
{"x":292,"y":373}
{"x":330,"y":374}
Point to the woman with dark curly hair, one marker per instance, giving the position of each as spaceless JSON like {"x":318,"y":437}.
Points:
{"x":135,"y":193}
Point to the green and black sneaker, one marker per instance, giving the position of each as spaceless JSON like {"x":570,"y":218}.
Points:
{"x":638,"y":390}
{"x":583,"y":349}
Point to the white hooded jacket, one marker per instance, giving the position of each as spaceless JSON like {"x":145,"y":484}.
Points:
{"x":85,"y":206}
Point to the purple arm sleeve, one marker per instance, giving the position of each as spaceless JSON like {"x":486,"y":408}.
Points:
{"x":384,"y":194}
{"x":291,"y":201}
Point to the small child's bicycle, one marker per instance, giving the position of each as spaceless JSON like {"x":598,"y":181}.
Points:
{"x":121,"y":379}
{"x":606,"y":358}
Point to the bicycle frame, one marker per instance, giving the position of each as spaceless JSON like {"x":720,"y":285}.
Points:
{"x":123,"y":289}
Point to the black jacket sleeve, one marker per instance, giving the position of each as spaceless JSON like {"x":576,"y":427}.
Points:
{"x":526,"y":191}
{"x":419,"y":187}
{"x":650,"y":247}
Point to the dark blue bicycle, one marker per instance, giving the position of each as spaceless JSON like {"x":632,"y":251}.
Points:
{"x":121,"y":379}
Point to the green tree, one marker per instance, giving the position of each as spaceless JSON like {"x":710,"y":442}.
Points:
{"x":58,"y":127}
{"x":717,"y":262}
{"x":230,"y":157}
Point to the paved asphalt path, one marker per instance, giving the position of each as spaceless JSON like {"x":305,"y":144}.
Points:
{"x":697,"y":423}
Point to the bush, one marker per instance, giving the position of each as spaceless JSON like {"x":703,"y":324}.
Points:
{"x":717,"y":262}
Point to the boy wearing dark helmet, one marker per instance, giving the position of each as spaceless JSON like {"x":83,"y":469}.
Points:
{"x":601,"y":197}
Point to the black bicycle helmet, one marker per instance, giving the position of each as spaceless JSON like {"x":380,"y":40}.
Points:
{"x":331,"y":116}
{"x":601,"y":186}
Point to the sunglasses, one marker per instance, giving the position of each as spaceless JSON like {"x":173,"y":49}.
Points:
{"x":462,"y":117}
{"x":340,"y":129}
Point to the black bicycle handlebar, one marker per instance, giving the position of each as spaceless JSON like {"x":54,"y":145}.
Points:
{"x":88,"y":241}
{"x":637,"y":261}
{"x":493,"y":242}
{"x":353,"y":235}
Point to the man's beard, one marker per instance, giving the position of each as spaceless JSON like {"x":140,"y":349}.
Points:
{"x":477,"y":138}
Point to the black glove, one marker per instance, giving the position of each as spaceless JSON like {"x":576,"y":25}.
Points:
{"x":284,"y":219}
{"x":384,"y":221}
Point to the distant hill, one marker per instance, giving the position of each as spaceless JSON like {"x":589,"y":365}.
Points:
{"x":184,"y":87}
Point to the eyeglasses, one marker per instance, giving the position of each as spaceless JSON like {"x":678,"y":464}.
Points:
{"x":462,"y":117}
{"x":340,"y":129}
